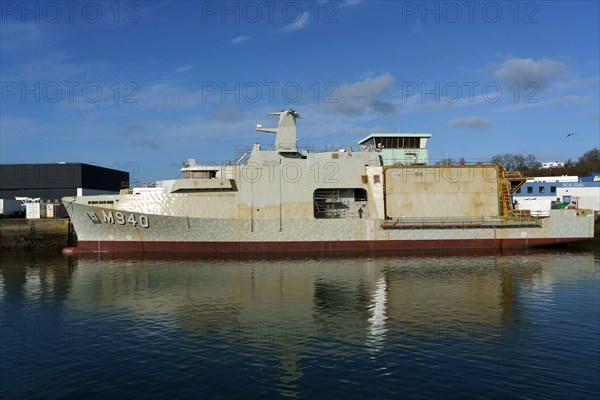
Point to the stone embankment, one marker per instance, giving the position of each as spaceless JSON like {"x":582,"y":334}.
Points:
{"x":35,"y":234}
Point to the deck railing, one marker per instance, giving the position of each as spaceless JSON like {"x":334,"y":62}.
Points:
{"x":459,"y":222}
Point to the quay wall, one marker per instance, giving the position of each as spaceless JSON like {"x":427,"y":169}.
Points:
{"x":35,"y":234}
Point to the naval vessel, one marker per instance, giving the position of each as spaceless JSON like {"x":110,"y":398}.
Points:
{"x":383,"y":197}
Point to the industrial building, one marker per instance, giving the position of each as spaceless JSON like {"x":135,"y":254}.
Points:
{"x":51,"y":182}
{"x":541,"y":194}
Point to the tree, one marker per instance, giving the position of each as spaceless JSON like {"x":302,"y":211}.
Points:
{"x":589,"y":162}
{"x":515,"y":162}
{"x":528,"y":165}
{"x":531,"y":162}
{"x":445,"y":161}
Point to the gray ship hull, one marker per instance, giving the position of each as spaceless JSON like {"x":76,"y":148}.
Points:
{"x":163,"y":233}
{"x":287,"y":200}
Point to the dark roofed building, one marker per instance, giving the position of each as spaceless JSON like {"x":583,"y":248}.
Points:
{"x":53,"y":181}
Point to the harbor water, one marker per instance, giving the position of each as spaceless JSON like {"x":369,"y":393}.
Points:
{"x":422,"y":326}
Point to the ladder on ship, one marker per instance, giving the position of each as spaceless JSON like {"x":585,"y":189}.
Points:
{"x":510,"y":182}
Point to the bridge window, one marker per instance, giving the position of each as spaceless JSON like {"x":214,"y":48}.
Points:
{"x":398,"y":142}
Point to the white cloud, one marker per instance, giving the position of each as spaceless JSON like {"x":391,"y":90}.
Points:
{"x":239,"y":39}
{"x":527,"y":70}
{"x":168,"y":94}
{"x":144,"y":142}
{"x":301,"y":23}
{"x":349,"y":3}
{"x":184,"y":68}
{"x":576,"y":99}
{"x":355,"y":98}
{"x":474,"y":122}
{"x":228,"y":113}
{"x":365,"y":131}
{"x":416,"y":28}
{"x":19,"y":36}
{"x":57,"y":67}
{"x":134,"y":134}
{"x":576,"y":83}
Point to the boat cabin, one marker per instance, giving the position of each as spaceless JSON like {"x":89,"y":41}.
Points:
{"x":398,"y":148}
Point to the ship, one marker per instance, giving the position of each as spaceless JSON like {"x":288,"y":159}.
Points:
{"x":384,"y":197}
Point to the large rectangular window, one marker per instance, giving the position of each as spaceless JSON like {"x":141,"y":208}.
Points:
{"x":398,"y":142}
{"x":340,"y":203}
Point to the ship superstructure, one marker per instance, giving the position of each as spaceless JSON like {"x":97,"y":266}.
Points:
{"x":293,"y":200}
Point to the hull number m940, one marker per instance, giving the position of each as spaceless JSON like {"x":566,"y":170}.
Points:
{"x":119,"y":218}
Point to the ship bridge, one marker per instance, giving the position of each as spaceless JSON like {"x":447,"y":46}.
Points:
{"x":398,"y":148}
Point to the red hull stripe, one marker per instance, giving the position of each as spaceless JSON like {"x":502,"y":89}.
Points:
{"x":307,"y":247}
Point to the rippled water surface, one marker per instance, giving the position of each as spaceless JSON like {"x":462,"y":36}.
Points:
{"x":495,"y":326}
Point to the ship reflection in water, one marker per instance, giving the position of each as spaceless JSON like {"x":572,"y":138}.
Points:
{"x":422,"y":326}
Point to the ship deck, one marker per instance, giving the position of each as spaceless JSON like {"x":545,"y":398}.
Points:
{"x":459,"y":223}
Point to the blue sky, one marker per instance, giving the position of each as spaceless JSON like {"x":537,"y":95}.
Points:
{"x":145,"y":85}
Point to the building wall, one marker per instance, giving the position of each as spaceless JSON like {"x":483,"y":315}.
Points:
{"x":587,"y":197}
{"x":39,"y":176}
{"x":538,"y":206}
{"x":54,"y":181}
{"x":104,"y":179}
{"x":544,"y":191}
{"x":8,"y":207}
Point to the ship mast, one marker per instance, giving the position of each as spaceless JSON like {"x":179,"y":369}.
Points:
{"x":285,"y":141}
